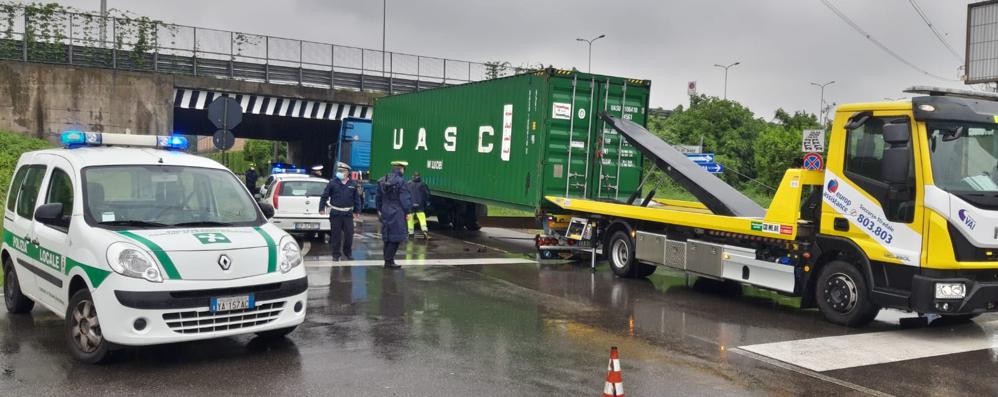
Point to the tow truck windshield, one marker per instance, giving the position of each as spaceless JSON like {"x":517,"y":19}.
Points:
{"x":159,"y":196}
{"x":965,"y":161}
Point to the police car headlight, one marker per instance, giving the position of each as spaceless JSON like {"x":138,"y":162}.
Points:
{"x":290,"y":254}
{"x":131,"y":261}
{"x":951,"y":290}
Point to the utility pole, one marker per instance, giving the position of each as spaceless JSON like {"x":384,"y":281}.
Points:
{"x":726,"y":75}
{"x":821,"y":104}
{"x":590,"y":43}
{"x":384,"y":33}
{"x":103,"y":23}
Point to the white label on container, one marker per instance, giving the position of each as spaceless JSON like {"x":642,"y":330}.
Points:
{"x":578,"y":144}
{"x":507,"y":131}
{"x":561,"y":110}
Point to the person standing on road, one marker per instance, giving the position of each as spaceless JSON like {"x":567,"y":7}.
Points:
{"x":251,"y":177}
{"x":420,"y":201}
{"x":393,"y":201}
{"x":344,"y":202}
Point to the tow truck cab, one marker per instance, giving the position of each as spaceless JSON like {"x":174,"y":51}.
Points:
{"x":910,"y":197}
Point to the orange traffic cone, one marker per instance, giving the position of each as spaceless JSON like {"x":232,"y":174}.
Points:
{"x":614,"y":381}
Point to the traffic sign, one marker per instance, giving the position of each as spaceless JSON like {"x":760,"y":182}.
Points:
{"x":813,"y":162}
{"x":813,"y":141}
{"x":223,"y":139}
{"x":701,"y":158}
{"x":225,"y":113}
{"x":712,"y":168}
{"x":687,"y":149}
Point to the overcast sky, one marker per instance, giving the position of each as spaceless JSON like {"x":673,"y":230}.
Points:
{"x":782,"y":45}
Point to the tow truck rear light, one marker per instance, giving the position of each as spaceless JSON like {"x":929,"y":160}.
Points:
{"x":277,"y":192}
{"x":75,"y":139}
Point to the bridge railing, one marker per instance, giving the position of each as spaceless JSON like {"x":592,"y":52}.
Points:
{"x":143,"y":44}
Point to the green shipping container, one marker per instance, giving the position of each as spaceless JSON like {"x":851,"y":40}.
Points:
{"x":511,"y":141}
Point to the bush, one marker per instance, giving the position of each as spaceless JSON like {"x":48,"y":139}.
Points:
{"x":14,"y":145}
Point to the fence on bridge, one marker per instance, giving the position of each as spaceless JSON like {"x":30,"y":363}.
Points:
{"x":48,"y":35}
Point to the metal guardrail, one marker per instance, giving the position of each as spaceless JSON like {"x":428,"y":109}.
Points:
{"x":140,"y":44}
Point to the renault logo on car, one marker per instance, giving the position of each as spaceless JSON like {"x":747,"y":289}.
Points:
{"x":224,"y":262}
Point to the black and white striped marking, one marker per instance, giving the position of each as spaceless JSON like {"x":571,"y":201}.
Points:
{"x":274,"y":106}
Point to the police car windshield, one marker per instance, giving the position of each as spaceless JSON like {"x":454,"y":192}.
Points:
{"x":965,"y":160}
{"x":161,"y":196}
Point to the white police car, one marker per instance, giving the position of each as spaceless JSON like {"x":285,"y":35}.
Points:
{"x":134,"y":243}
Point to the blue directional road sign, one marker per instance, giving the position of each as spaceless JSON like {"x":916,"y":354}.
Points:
{"x":701,"y":158}
{"x":712,"y":168}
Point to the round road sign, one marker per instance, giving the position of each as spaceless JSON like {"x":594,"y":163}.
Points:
{"x":813,"y":162}
{"x":223,"y":139}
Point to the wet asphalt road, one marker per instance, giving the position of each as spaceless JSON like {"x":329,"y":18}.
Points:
{"x":474,"y":328}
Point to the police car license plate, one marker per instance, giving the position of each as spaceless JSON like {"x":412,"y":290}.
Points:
{"x":306,"y":226}
{"x":227,"y":303}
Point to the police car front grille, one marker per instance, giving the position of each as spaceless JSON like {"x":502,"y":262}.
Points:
{"x":199,"y":322}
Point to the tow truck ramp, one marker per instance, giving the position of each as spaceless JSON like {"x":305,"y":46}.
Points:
{"x":719,"y":197}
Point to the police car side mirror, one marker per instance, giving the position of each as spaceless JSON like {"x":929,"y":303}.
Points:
{"x":267,"y":209}
{"x":50,"y":214}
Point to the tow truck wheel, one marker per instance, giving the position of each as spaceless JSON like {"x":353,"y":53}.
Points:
{"x":843,"y":297}
{"x":621,"y":254}
{"x":83,"y":333}
{"x":16,"y":302}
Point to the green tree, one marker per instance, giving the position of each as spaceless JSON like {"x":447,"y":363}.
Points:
{"x":259,"y":152}
{"x":778,"y":147}
{"x":727,"y":128}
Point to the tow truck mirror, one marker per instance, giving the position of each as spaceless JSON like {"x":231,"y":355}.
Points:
{"x":953,"y":134}
{"x":50,"y":214}
{"x":267,"y":209}
{"x":895,"y":166}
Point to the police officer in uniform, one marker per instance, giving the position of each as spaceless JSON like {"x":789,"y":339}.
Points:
{"x":251,"y":177}
{"x":343,"y":198}
{"x":394,"y":202}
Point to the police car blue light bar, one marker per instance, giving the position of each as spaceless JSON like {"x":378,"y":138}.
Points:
{"x":73,"y":139}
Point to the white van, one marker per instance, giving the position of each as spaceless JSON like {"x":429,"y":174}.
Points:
{"x":136,"y":243}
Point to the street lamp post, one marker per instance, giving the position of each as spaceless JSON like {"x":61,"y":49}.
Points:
{"x":590,"y":43}
{"x":726,"y":75}
{"x":384,"y":32}
{"x":821,"y":104}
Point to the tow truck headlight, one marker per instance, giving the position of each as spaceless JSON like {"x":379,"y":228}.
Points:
{"x":131,"y":261}
{"x":951,"y":290}
{"x":290,"y":254}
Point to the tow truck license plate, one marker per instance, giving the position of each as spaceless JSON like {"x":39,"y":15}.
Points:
{"x":306,"y":226}
{"x":227,"y":303}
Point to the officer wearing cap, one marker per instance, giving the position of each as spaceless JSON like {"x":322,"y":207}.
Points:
{"x":342,"y":197}
{"x":251,"y":177}
{"x":317,"y":170}
{"x":393,"y":201}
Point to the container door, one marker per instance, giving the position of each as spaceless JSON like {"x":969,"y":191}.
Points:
{"x":617,"y":171}
{"x":572,"y":121}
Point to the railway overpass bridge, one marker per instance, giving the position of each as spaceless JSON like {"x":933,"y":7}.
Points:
{"x":67,"y":70}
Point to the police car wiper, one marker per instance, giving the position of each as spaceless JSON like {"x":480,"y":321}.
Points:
{"x":202,"y":223}
{"x":132,"y":222}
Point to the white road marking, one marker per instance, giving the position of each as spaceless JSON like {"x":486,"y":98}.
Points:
{"x":815,"y":375}
{"x":422,"y":262}
{"x":848,"y":351}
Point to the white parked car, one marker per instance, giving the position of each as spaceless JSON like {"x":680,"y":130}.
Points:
{"x":136,"y":244}
{"x":296,"y":204}
{"x":274,"y":178}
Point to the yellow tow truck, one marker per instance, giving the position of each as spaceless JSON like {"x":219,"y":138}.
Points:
{"x":904,"y":215}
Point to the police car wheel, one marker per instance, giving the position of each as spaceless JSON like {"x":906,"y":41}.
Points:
{"x":842,"y":295}
{"x":83,"y":332}
{"x":275,"y":333}
{"x":15,"y":301}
